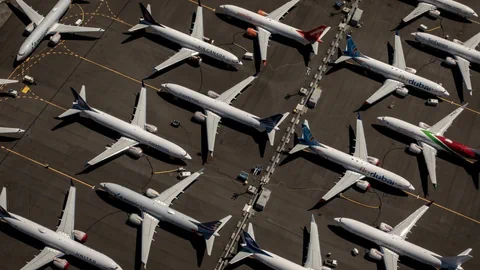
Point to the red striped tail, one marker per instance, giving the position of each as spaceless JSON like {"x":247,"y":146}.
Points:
{"x":315,"y":34}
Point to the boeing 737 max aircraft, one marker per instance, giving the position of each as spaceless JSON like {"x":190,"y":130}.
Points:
{"x":430,"y":139}
{"x":267,"y":24}
{"x":155,"y":207}
{"x":393,"y":244}
{"x":193,"y":45}
{"x":249,"y":248}
{"x":463,"y":52}
{"x":218,"y":106}
{"x":432,"y":6}
{"x":358,"y":166}
{"x":398,"y":75}
{"x":40,"y":27}
{"x":65,"y":241}
{"x":137,"y":132}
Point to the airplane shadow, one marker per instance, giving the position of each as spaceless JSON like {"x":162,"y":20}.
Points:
{"x":18,"y":13}
{"x":8,"y":139}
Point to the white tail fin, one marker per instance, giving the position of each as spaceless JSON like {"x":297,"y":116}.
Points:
{"x":271,"y":124}
{"x":210,"y":238}
{"x":80,"y":103}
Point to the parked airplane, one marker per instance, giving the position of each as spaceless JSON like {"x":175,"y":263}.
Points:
{"x":432,"y":6}
{"x":358,"y":166}
{"x":40,"y":27}
{"x":193,"y":45}
{"x":155,"y":207}
{"x":267,"y":24}
{"x":398,"y":75}
{"x":430,"y":139}
{"x":132,"y":134}
{"x":65,"y":241}
{"x":249,"y":248}
{"x":218,"y":106}
{"x":463,"y":52}
{"x":392,"y":243}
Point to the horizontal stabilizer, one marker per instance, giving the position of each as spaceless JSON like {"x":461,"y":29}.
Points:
{"x":298,"y":147}
{"x":137,"y":27}
{"x":240,"y":256}
{"x":342,"y":58}
{"x":214,"y":227}
{"x":68,"y":113}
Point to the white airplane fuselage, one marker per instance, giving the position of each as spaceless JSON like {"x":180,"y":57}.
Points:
{"x":276,"y":262}
{"x":453,"y":7}
{"x":41,"y":30}
{"x":400,"y":75}
{"x":195,"y":44}
{"x":392,"y":242}
{"x":61,"y":242}
{"x":136,"y":133}
{"x":448,"y":46}
{"x":361,"y":166}
{"x":272,"y":26}
{"x":219,"y":107}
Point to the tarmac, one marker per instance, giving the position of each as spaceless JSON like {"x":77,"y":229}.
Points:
{"x":37,"y":167}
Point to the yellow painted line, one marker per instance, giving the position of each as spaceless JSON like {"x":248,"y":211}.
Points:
{"x":475,"y":22}
{"x":47,"y":167}
{"x":207,"y":7}
{"x":359,"y":203}
{"x":433,"y":29}
{"x":459,"y":105}
{"x":83,"y":12}
{"x":53,"y":104}
{"x":169,"y":171}
{"x":25,"y":89}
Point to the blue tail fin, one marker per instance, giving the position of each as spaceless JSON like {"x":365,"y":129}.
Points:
{"x":307,"y":136}
{"x":352,"y":49}
{"x":147,"y":15}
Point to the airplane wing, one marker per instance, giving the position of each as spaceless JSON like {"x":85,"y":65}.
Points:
{"x":441,"y":127}
{"x":178,"y":57}
{"x":34,"y":16}
{"x":345,"y":182}
{"x":404,"y":227}
{"x":360,"y":142}
{"x":5,"y":81}
{"x":173,"y":192}
{"x":472,"y":43}
{"x":314,"y":256}
{"x":140,"y":116}
{"x":63,"y":28}
{"x":120,"y":146}
{"x":212,"y":125}
{"x":278,"y":13}
{"x":197,"y":31}
{"x":430,"y":154}
{"x":388,"y":87}
{"x":234,"y":91}
{"x":464,"y":66}
{"x":4,"y":130}
{"x":67,"y":223}
{"x":419,"y":10}
{"x":45,"y":257}
{"x":263,"y":38}
{"x":398,"y":56}
{"x":390,"y":259}
{"x":149,"y":224}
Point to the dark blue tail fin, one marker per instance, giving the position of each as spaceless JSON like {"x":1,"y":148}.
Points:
{"x":352,"y":49}
{"x":147,"y":15}
{"x":307,"y":136}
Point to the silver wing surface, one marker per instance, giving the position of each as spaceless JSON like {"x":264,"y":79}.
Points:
{"x":149,"y":224}
{"x":419,"y":10}
{"x":430,"y":154}
{"x":212,"y":125}
{"x":140,"y":116}
{"x":390,"y":259}
{"x":314,"y":256}
{"x":398,"y":56}
{"x":117,"y":148}
{"x":172,"y":193}
{"x":197,"y":31}
{"x":442,"y":126}
{"x":387,"y":88}
{"x":263,"y":39}
{"x":4,"y":130}
{"x":45,"y":257}
{"x":63,"y":28}
{"x":345,"y":182}
{"x":473,"y":42}
{"x":464,"y":66}
{"x":5,"y":81}
{"x":67,"y":223}
{"x":233,"y":92}
{"x":278,"y":13}
{"x":360,"y":142}
{"x":33,"y":15}
{"x":404,"y":227}
{"x":178,"y":57}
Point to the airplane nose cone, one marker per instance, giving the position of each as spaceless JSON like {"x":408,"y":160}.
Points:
{"x":103,"y":185}
{"x":475,"y":14}
{"x":188,"y":157}
{"x":165,"y":86}
{"x":381,"y":119}
{"x":411,"y":187}
{"x":338,"y":220}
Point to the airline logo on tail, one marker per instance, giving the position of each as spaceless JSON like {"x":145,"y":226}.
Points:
{"x":315,"y":34}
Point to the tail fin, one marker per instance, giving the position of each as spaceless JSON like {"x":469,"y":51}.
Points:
{"x":271,"y":124}
{"x":211,"y":229}
{"x":80,"y":103}
{"x":248,"y":246}
{"x":316,"y":34}
{"x":147,"y":15}
{"x":350,"y":52}
{"x":306,"y":140}
{"x":458,"y":260}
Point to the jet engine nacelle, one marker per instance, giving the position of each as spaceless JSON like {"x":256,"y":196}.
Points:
{"x":373,"y":160}
{"x":208,"y":40}
{"x":135,"y":219}
{"x":363,"y":185}
{"x":450,"y":61}
{"x":55,"y":39}
{"x":411,"y":70}
{"x":151,"y":193}
{"x":434,"y":13}
{"x":423,"y":125}
{"x":414,"y":148}
{"x":196,"y":60}
{"x":212,"y":94}
{"x":251,"y":32}
{"x":61,"y":264}
{"x":135,"y":152}
{"x":385,"y":227}
{"x":29,"y":28}
{"x":375,"y":254}
{"x":261,"y":12}
{"x":199,"y":117}
{"x":80,"y":236}
{"x":403,"y":92}
{"x":151,"y":128}
{"x":457,"y":41}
